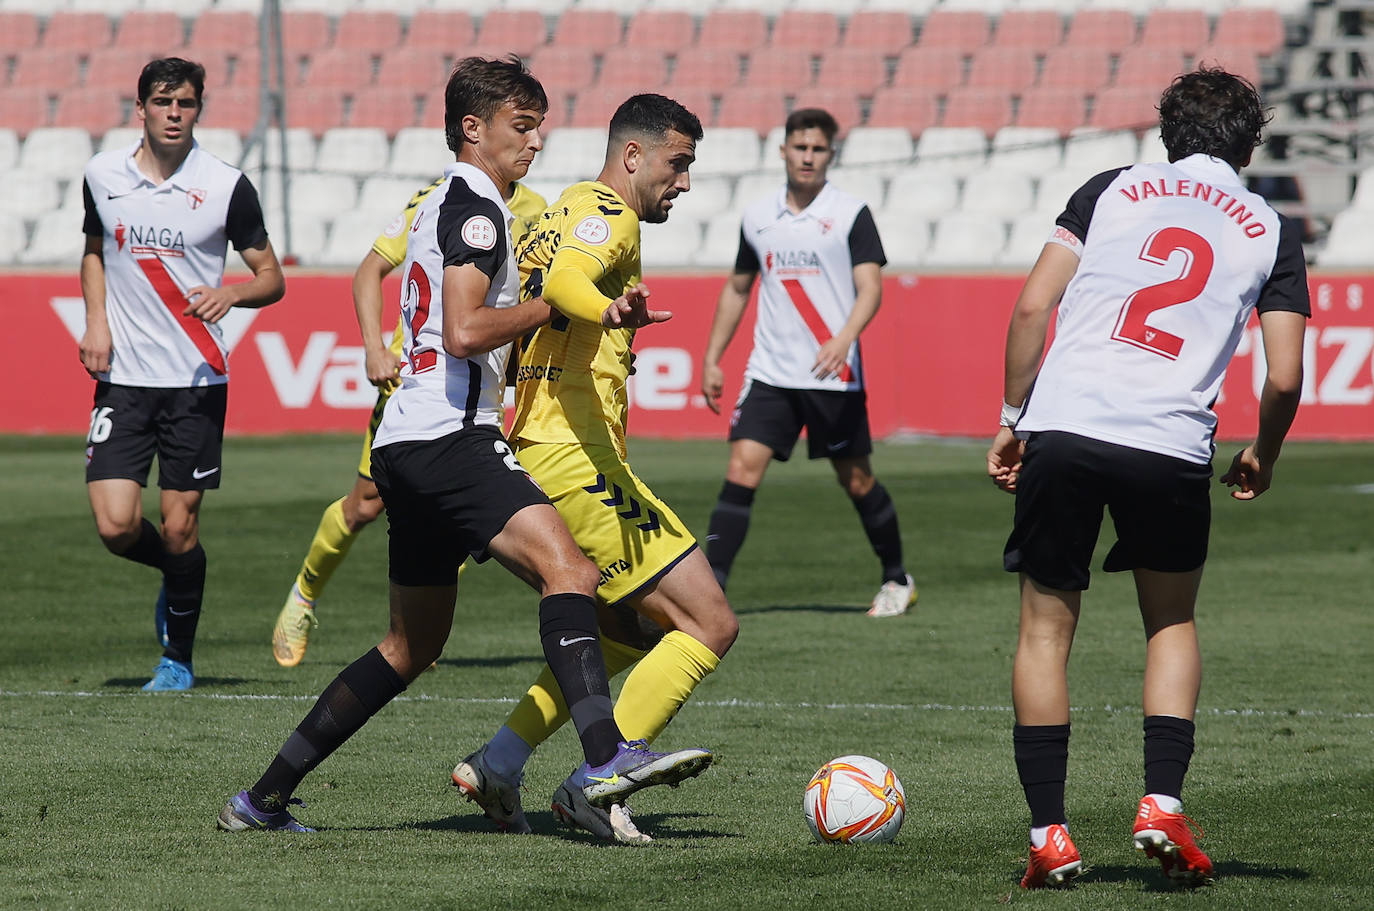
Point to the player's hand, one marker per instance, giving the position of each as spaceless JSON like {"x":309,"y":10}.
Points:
{"x":712,"y":385}
{"x":383,"y":368}
{"x":1004,"y":459}
{"x":95,"y":347}
{"x":210,"y":304}
{"x":831,"y":359}
{"x":1248,"y":475}
{"x":631,"y":310}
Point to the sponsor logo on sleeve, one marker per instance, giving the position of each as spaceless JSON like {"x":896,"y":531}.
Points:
{"x":593,"y":230}
{"x":479,"y":232}
{"x":396,"y":227}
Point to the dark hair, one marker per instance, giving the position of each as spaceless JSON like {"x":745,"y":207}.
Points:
{"x":653,"y":115}
{"x":1212,"y":112}
{"x":807,"y":118}
{"x":480,"y":86}
{"x":170,"y":72}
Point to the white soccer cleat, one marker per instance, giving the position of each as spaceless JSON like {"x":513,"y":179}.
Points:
{"x":570,"y":805}
{"x":893,"y":599}
{"x":498,"y":798}
{"x":292,"y":632}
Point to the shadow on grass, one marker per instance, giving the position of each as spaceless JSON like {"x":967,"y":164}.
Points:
{"x":500,"y":661}
{"x":1153,"y":880}
{"x":658,"y":825}
{"x":136,"y":683}
{"x":855,"y":609}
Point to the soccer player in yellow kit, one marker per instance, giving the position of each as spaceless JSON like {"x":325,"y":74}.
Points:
{"x":569,"y":433}
{"x":347,"y":516}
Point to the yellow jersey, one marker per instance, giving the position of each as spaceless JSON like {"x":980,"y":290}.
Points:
{"x":570,"y":385}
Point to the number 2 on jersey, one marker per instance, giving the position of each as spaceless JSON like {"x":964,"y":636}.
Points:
{"x":1131,"y":327}
{"x":417,"y":282}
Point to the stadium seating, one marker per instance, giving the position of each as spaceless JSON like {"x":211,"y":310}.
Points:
{"x":961,"y":238}
{"x":906,"y":236}
{"x":883,"y":149}
{"x":884,"y":32}
{"x":927,"y":190}
{"x":18,"y":31}
{"x":28,"y":195}
{"x":13,"y":237}
{"x":77,"y":31}
{"x":721,"y":241}
{"x":987,"y":110}
{"x":740,"y":31}
{"x":1090,"y":151}
{"x":1025,"y":150}
{"x":726,"y":150}
{"x":954,"y":150}
{"x":665,"y":30}
{"x":998,"y":194}
{"x":441,"y":30}
{"x":421,"y":153}
{"x":635,"y":69}
{"x":9,"y":148}
{"x":671,"y":244}
{"x":964,"y":31}
{"x":374,"y":31}
{"x":359,"y":151}
{"x":1037,"y":30}
{"x":842,"y":104}
{"x":805,"y":30}
{"x":1058,"y":109}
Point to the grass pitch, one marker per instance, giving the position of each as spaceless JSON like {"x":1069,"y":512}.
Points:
{"x":108,"y":796}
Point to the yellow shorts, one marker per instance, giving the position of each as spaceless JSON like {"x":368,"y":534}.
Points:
{"x":630,"y":534}
{"x":365,"y":463}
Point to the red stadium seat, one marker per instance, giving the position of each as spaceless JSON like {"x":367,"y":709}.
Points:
{"x":931,"y":68}
{"x":759,"y":108}
{"x":558,"y":114}
{"x":634,"y":69}
{"x":233,"y":108}
{"x":304,"y":31}
{"x":1109,"y":29}
{"x":1261,"y":30}
{"x":1125,"y":108}
{"x":965,"y":30}
{"x":389,"y":107}
{"x":407,"y":66}
{"x":517,"y":31}
{"x":118,"y":67}
{"x":23,"y":109}
{"x":854,"y":68}
{"x":986,"y":109}
{"x":1148,"y":67}
{"x":445,"y":30}
{"x":94,"y":109}
{"x":1002,"y":68}
{"x":339,"y":68}
{"x":225,"y":30}
{"x":375,"y":31}
{"x":18,"y":31}
{"x":53,"y":69}
{"x":1038,"y":30}
{"x":77,"y":31}
{"x":1239,"y":60}
{"x":738,"y":30}
{"x":716,"y":69}
{"x":314,"y":109}
{"x":594,"y":106}
{"x":885,"y":31}
{"x":218,"y":69}
{"x":900,"y":107}
{"x":663,"y":30}
{"x":1062,"y":109}
{"x":150,"y":30}
{"x":1076,"y":68}
{"x":779,"y":68}
{"x":1183,"y":30}
{"x":842,"y":104}
{"x":593,"y":30}
{"x":810,"y":30}
{"x":570,"y":67}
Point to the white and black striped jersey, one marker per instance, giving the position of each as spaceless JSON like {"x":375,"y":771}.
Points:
{"x":159,"y":241}
{"x":1173,"y":259}
{"x":805,"y":262}
{"x":463,"y":221}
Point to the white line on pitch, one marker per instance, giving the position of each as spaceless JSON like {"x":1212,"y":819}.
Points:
{"x":712,"y":703}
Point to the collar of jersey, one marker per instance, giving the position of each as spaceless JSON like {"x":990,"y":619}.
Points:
{"x":808,"y":212}
{"x":180,"y":179}
{"x":478,"y":181}
{"x":1217,"y":171}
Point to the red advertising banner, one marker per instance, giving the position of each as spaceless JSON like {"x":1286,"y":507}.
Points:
{"x":933,"y":359}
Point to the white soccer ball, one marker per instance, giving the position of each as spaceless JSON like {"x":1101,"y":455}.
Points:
{"x":854,"y":800}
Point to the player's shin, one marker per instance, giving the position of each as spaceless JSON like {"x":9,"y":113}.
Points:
{"x":327,"y":550}
{"x":729,"y":524}
{"x":183,"y":575}
{"x":567,"y":630}
{"x":660,"y":683}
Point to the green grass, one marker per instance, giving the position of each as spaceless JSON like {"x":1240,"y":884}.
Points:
{"x":108,"y":795}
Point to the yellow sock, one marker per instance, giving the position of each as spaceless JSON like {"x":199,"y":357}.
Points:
{"x":660,"y":684}
{"x":541,"y":711}
{"x":327,"y":550}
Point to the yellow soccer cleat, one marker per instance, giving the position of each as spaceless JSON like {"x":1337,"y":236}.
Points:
{"x":292,"y":631}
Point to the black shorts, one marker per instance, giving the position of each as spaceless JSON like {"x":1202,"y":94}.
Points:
{"x":1160,"y":505}
{"x":184,"y":428}
{"x":447,"y":498}
{"x":836,"y":422}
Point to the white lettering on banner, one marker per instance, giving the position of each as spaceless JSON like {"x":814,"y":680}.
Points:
{"x":337,"y":372}
{"x":661,"y":379}
{"x":344,"y":383}
{"x":1337,"y":386}
{"x":72,"y":312}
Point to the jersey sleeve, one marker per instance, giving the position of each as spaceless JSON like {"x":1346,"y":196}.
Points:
{"x":244,"y":225}
{"x":1071,"y":227}
{"x":608,"y":234}
{"x":864,"y":244}
{"x":1286,"y":288}
{"x":473,"y":231}
{"x":92,"y":225}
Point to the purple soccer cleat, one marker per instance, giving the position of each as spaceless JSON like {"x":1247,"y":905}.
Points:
{"x":239,"y":814}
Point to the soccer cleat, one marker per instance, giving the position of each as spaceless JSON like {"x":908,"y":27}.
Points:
{"x":893,"y":599}
{"x":160,"y":616}
{"x":239,"y":815}
{"x":1056,"y":864}
{"x":498,"y":798}
{"x":635,"y":767}
{"x":571,"y":807}
{"x":169,"y":676}
{"x":292,"y":631}
{"x":1166,"y":837}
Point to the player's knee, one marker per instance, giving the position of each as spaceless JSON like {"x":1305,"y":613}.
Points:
{"x":361,"y":513}
{"x":180,"y":533}
{"x":118,"y":535}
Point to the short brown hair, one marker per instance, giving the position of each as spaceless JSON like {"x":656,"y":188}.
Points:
{"x":480,"y":86}
{"x":1211,"y":112}
{"x":807,"y":118}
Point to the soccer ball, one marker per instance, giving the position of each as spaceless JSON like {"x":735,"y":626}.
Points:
{"x":854,"y":800}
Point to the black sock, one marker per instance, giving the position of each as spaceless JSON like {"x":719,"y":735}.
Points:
{"x":358,"y":693}
{"x":148,"y":549}
{"x":729,"y":524}
{"x":1168,"y":749}
{"x":1042,"y":763}
{"x":184,"y":578}
{"x":879,"y":516}
{"x":572,"y":646}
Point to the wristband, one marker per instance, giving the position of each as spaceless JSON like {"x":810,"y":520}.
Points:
{"x":1011,"y":414}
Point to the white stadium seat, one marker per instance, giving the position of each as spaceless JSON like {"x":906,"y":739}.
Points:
{"x":923,"y":189}
{"x":1347,"y":244}
{"x":28,"y":195}
{"x":1090,"y":151}
{"x":861,"y":182}
{"x":315,"y":196}
{"x":353,"y":150}
{"x":187,"y":9}
{"x":421,"y":152}
{"x":221,"y":142}
{"x":888,"y":148}
{"x":966,"y":240}
{"x":57,"y":240}
{"x":384,"y":193}
{"x":1027,"y":150}
{"x":123,"y":137}
{"x":1364,"y":191}
{"x":108,"y":7}
{"x":1152,"y":147}
{"x":307,"y":235}
{"x":572,"y":154}
{"x":1003,"y":194}
{"x":351,"y":236}
{"x":668,"y":245}
{"x":727,"y":151}
{"x":721,"y":243}
{"x":906,"y":236}
{"x":708,"y":196}
{"x":59,"y":151}
{"x":753,"y":187}
{"x":956,"y":150}
{"x":9,"y":148}
{"x":300,"y":150}
{"x":770,"y":154}
{"x":1056,"y":187}
{"x":549,"y":189}
{"x":11,"y":237}
{"x":1029,"y":231}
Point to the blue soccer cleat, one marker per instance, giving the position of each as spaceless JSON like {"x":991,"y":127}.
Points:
{"x":170,"y":676}
{"x":160,"y":616}
{"x":239,"y":815}
{"x":635,"y":767}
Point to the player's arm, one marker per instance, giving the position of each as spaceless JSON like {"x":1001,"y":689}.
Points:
{"x":381,"y":364}
{"x":247,"y":231}
{"x":95,"y":340}
{"x":471,"y":328}
{"x":570,"y":288}
{"x":730,"y":306}
{"x":868,"y":295}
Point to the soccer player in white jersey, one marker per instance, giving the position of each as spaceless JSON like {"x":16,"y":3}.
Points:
{"x":159,"y":217}
{"x":1154,"y":270}
{"x":820,"y":258}
{"x":449,"y":480}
